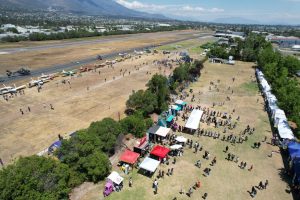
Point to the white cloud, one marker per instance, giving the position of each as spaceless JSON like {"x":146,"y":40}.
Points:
{"x":179,"y":10}
{"x":139,"y":5}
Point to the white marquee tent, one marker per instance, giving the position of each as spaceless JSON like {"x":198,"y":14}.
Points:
{"x":284,"y":130}
{"x":181,"y":139}
{"x":149,"y":164}
{"x":194,"y":119}
{"x":163,"y":131}
{"x":115,"y":177}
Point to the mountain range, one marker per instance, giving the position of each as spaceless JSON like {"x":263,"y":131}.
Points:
{"x":84,"y":7}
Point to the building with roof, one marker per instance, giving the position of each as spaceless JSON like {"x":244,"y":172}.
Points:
{"x":284,"y":42}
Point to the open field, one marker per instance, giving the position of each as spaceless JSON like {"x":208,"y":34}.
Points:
{"x":49,"y":53}
{"x":227,"y":180}
{"x":75,"y":106}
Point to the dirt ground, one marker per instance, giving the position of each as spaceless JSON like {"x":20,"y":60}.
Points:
{"x":52,"y":56}
{"x":227,"y":180}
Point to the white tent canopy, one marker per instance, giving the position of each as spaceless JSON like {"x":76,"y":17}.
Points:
{"x":279,"y":114}
{"x":115,"y":177}
{"x":284,"y":130}
{"x":181,"y":139}
{"x":163,"y":131}
{"x":194,"y":119}
{"x":149,"y":164}
{"x":176,"y":146}
{"x":265,"y":85}
{"x":179,"y":102}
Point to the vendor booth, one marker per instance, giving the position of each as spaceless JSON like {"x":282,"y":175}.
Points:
{"x":114,"y":183}
{"x":149,"y":165}
{"x":284,"y":130}
{"x":142,"y":146}
{"x":159,"y":152}
{"x":194,"y":119}
{"x":157,"y":133}
{"x":181,"y":104}
{"x":181,"y":139}
{"x":175,"y":109}
{"x":129,"y":157}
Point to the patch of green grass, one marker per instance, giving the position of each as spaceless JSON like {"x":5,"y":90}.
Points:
{"x":251,"y":88}
{"x":178,"y":45}
{"x":196,"y":50}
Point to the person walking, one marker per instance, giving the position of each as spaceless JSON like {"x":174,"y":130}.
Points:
{"x":250,"y":169}
{"x":266,"y":184}
{"x":22,"y":112}
{"x":29,"y":110}
{"x":130,"y":182}
{"x":1,"y":162}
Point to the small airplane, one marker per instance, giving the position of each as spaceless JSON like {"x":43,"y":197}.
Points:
{"x":122,"y":54}
{"x":11,"y":90}
{"x":138,"y":52}
{"x":68,"y":73}
{"x":5,"y":88}
{"x":47,"y":76}
{"x":37,"y":82}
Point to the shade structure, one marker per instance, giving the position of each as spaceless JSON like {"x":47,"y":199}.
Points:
{"x":160,"y":151}
{"x":175,"y":107}
{"x":129,"y":157}
{"x":153,"y":129}
{"x":163,"y":131}
{"x":149,"y":164}
{"x":55,"y":145}
{"x":279,"y":114}
{"x":284,"y":130}
{"x":176,"y":146}
{"x":180,"y":102}
{"x":294,"y":149}
{"x":181,"y":139}
{"x":115,"y":177}
{"x":194,"y":119}
{"x":170,"y":118}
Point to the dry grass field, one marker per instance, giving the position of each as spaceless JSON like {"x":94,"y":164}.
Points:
{"x":227,"y":180}
{"x":69,"y":53}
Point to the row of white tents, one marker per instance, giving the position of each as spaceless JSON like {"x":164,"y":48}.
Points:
{"x":278,"y":116}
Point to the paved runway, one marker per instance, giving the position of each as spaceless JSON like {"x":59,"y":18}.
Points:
{"x":78,"y":63}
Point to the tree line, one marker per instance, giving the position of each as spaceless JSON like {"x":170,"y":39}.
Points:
{"x":82,"y":33}
{"x":280,"y":72}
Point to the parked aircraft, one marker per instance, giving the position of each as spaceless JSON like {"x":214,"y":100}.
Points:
{"x":138,"y":52}
{"x":37,"y":82}
{"x":11,"y":90}
{"x":68,"y":73}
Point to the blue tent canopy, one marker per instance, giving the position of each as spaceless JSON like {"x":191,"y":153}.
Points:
{"x":294,"y":149}
{"x":162,"y":123}
{"x":56,"y":145}
{"x":170,"y":118}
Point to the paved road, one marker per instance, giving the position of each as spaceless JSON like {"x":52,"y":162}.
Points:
{"x":78,"y":63}
{"x":102,"y":40}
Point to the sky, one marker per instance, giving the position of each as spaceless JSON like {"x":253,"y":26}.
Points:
{"x":260,"y":11}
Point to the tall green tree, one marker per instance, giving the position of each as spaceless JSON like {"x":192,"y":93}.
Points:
{"x":37,"y":177}
{"x":158,"y":86}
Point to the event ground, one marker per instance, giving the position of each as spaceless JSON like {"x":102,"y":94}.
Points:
{"x":74,"y":108}
{"x":227,"y":180}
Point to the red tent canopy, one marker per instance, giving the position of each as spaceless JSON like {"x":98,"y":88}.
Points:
{"x":129,"y":157}
{"x":160,"y":151}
